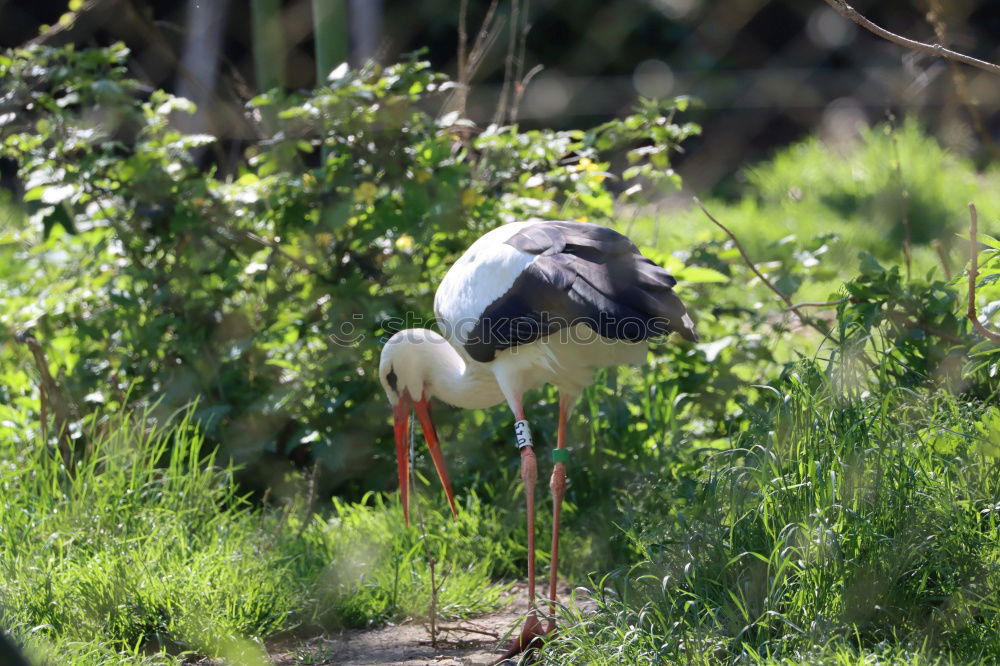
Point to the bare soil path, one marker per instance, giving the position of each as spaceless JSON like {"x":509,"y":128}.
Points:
{"x":472,"y":642}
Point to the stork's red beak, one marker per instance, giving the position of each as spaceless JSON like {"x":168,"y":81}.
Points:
{"x":401,"y":418}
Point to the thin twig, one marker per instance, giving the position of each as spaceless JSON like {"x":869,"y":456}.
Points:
{"x":51,"y":396}
{"x":974,"y":274}
{"x":522,"y":86}
{"x":310,"y":500}
{"x":462,"y":93}
{"x":463,"y":42}
{"x":818,"y":304}
{"x":520,"y":79}
{"x":943,"y":258}
{"x":805,"y":319}
{"x":469,"y":630}
{"x":489,"y":30}
{"x":935,"y":50}
{"x":503,"y":104}
{"x":471,"y":58}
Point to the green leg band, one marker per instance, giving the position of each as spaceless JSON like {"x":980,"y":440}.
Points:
{"x":560,"y":455}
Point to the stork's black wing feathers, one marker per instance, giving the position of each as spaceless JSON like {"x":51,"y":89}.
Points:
{"x":584,"y":274}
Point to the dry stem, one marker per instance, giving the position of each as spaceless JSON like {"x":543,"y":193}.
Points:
{"x":51,"y":398}
{"x":935,"y":50}
{"x":805,"y":319}
{"x":469,"y":59}
{"x":503,"y":104}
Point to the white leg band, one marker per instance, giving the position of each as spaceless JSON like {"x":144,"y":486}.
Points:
{"x":522,"y":433}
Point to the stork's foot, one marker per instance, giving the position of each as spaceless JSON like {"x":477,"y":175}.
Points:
{"x":532,"y":636}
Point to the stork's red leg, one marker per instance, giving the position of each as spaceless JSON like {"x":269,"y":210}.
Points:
{"x":558,"y":487}
{"x":529,"y":476}
{"x":532,"y":629}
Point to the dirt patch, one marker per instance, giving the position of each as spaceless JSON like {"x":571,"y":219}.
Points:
{"x":472,"y":642}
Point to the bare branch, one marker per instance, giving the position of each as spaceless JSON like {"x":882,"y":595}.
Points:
{"x":943,"y":258}
{"x":522,"y":85}
{"x":487,"y":35}
{"x":463,"y":41}
{"x":469,"y":630}
{"x":520,"y":80}
{"x":935,"y":50}
{"x":974,"y":274}
{"x":51,"y":396}
{"x":470,"y":58}
{"x":503,"y":104}
{"x":804,"y":318}
{"x":746,"y":257}
{"x":823,"y":304}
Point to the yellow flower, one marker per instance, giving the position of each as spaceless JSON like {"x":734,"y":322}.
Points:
{"x":584,"y":164}
{"x":582,"y":218}
{"x":421,"y":176}
{"x":365,"y":192}
{"x":471,"y":198}
{"x":404,"y":242}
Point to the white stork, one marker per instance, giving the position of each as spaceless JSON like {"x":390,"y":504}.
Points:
{"x":528,"y":304}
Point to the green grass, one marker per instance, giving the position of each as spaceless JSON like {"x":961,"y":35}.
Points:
{"x":147,"y":548}
{"x":835,"y":530}
{"x":857,"y":196}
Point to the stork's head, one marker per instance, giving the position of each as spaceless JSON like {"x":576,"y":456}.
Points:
{"x":404,"y":375}
{"x":402,"y":368}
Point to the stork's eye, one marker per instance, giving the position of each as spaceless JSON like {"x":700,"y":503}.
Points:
{"x":391,"y":380}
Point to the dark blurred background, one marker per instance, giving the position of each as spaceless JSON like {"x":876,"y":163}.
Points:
{"x":766,"y":73}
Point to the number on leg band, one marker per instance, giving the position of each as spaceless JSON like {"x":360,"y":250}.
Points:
{"x":522,"y":433}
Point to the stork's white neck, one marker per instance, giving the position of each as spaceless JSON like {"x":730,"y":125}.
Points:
{"x":447,"y":374}
{"x":460,"y":382}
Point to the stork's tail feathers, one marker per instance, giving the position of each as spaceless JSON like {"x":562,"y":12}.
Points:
{"x":662,"y":303}
{"x":679,"y":321}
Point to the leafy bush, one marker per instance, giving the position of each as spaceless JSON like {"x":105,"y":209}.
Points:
{"x":264,"y":293}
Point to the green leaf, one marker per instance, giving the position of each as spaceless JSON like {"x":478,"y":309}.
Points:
{"x":869,"y":264}
{"x":989,"y":241}
{"x":700,"y":274}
